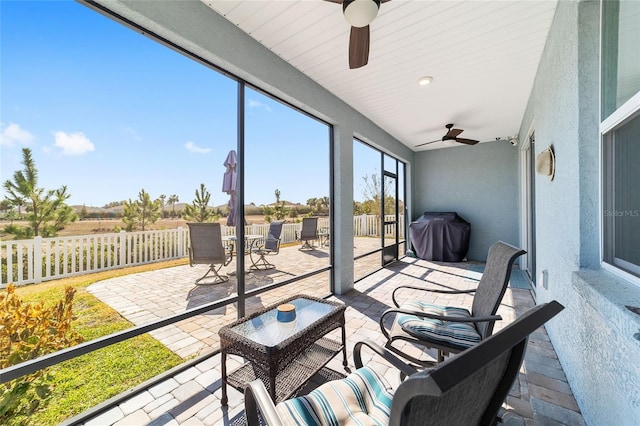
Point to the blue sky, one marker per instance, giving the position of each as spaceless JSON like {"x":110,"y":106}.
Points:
{"x":107,"y":112}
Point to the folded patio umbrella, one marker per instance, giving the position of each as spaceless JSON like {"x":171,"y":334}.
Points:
{"x":229,"y":185}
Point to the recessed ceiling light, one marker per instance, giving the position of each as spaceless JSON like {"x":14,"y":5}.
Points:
{"x":423,"y":81}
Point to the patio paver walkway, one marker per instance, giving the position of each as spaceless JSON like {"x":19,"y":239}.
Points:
{"x":541,"y":395}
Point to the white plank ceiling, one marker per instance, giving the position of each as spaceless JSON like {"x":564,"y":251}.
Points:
{"x":482,"y":55}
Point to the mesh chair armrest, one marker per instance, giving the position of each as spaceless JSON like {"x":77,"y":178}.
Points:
{"x":431,"y":290}
{"x":384,"y":353}
{"x":257,"y":398}
{"x":262,"y":246}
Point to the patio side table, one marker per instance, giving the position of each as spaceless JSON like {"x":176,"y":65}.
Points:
{"x":284,"y":355}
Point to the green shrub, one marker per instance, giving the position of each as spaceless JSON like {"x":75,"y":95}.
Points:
{"x":30,"y":330}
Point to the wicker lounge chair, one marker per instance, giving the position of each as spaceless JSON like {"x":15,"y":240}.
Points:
{"x":468,"y":389}
{"x":451,"y":329}
{"x":206,"y":248}
{"x":271,"y":246}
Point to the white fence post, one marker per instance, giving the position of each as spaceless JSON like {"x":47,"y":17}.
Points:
{"x":37,"y":259}
{"x":122,"y":241}
{"x":181,"y":241}
{"x":9,"y":261}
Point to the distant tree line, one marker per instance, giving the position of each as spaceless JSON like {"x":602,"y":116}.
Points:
{"x":47,"y":213}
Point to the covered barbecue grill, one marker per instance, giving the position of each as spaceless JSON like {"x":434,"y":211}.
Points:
{"x":440,"y":236}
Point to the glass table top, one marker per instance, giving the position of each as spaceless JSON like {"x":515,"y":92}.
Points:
{"x":265,"y":329}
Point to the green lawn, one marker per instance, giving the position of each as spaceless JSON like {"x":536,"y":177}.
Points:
{"x":86,"y":381}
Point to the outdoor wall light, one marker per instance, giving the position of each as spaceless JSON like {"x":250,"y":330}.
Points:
{"x":423,"y":81}
{"x":360,"y":13}
{"x":546,"y":163}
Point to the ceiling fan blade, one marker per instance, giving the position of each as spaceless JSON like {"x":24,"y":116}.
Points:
{"x":466,"y":141}
{"x":358,"y":47}
{"x":334,"y":1}
{"x":453,"y":133}
{"x":426,"y":143}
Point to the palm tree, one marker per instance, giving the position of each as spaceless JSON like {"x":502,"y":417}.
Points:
{"x":312,"y":202}
{"x":162,"y":197}
{"x":173,"y":199}
{"x":324,"y":202}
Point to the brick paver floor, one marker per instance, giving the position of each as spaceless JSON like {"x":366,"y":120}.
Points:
{"x":541,"y":395}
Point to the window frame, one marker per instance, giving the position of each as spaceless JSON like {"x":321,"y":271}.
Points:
{"x":400,"y":175}
{"x":619,"y":117}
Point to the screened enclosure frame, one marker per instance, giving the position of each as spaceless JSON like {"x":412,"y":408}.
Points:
{"x":31,"y":366}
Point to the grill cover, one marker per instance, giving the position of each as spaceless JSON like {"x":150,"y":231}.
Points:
{"x":441,"y":237}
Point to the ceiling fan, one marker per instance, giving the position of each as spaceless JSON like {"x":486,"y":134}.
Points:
{"x":452,"y":135}
{"x":359,"y":14}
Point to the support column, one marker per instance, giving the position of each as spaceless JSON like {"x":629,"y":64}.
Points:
{"x":343,"y":208}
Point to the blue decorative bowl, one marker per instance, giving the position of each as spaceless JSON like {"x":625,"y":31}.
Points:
{"x":286,"y":312}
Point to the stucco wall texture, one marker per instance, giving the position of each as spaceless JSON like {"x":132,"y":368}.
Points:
{"x":480,"y":183}
{"x":592,"y":336}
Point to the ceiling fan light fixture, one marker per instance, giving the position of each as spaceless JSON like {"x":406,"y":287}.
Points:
{"x":449,"y":142}
{"x":360,"y":13}
{"x":423,"y":81}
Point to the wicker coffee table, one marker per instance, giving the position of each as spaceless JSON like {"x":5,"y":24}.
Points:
{"x":284,"y":355}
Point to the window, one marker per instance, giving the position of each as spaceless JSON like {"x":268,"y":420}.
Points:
{"x":620,"y":130}
{"x":620,"y":54}
{"x":287,"y":162}
{"x":622,"y":197}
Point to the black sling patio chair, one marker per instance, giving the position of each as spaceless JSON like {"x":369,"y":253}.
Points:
{"x":468,"y":389}
{"x":206,"y":248}
{"x":271,"y":246}
{"x":309,"y":232}
{"x":452,"y":329}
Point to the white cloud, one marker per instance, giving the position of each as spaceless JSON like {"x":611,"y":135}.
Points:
{"x":192,"y":147}
{"x":73,"y":143}
{"x":132,"y":133}
{"x":14,"y":134}
{"x":257,"y":104}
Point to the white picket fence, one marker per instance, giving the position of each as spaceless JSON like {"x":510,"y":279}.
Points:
{"x":43,"y":259}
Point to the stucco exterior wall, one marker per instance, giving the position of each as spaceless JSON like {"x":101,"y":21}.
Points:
{"x":478,"y":182}
{"x":594,"y":335}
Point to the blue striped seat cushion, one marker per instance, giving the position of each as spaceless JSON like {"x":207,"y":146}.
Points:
{"x":453,"y":334}
{"x":362,"y":398}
